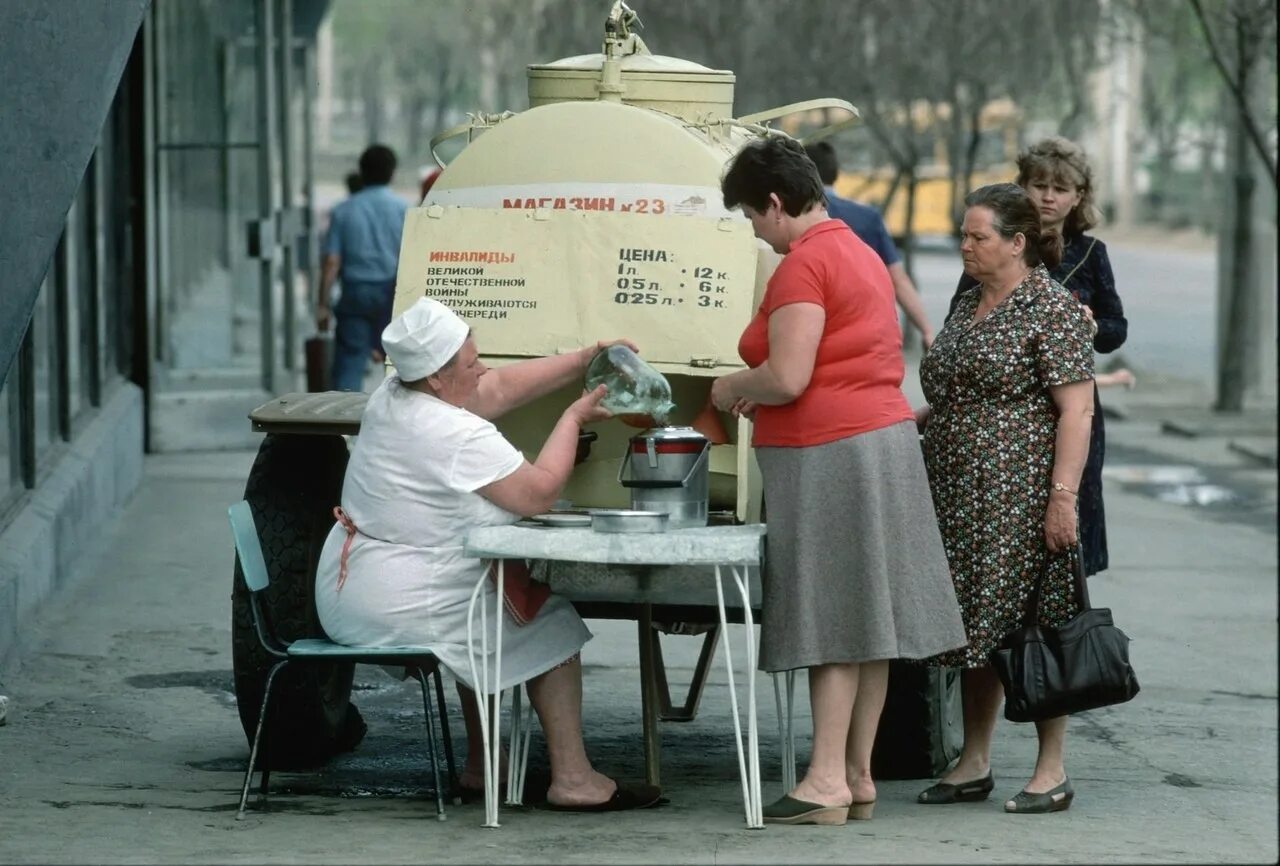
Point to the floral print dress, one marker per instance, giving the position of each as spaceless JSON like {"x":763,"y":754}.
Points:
{"x":1085,"y":272}
{"x":989,"y":451}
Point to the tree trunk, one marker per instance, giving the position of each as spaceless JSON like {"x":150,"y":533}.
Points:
{"x":970,"y":160}
{"x":416,"y":107}
{"x":371,"y":96}
{"x":1235,"y":349}
{"x":910,"y":336}
{"x":892,"y":190}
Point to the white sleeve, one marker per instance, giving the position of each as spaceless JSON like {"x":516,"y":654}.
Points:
{"x":485,"y":457}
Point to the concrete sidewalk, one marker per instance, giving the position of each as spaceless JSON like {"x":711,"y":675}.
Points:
{"x":123,"y":745}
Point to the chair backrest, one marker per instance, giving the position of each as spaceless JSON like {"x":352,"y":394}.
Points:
{"x":245,"y":532}
{"x":254,"y":568}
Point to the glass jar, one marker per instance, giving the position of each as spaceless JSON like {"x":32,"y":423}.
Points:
{"x":632,"y":386}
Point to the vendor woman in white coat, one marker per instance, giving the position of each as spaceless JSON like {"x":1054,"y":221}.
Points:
{"x":429,"y":465}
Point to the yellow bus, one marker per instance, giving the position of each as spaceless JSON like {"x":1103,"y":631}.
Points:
{"x":1000,"y":124}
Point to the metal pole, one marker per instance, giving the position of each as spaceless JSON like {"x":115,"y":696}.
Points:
{"x":266,"y":195}
{"x":144,"y":367}
{"x":227,"y":56}
{"x":161,"y":29}
{"x":311,"y":247}
{"x":289,"y":199}
{"x":98,"y":290}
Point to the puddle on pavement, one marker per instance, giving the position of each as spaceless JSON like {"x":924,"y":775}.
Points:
{"x":1214,"y":491}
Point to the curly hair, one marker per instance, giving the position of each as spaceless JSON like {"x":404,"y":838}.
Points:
{"x":1062,"y":161}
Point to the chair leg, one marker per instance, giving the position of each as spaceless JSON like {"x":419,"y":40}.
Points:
{"x":454,"y":786}
{"x":431,"y":743}
{"x":257,"y":738}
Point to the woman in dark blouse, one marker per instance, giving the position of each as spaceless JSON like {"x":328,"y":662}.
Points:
{"x":1056,"y":175}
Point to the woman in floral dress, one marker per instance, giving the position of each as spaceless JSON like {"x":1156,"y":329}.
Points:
{"x":1009,"y":382}
{"x":1056,"y":174}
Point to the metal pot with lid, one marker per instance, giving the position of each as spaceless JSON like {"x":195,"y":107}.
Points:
{"x":669,"y":472}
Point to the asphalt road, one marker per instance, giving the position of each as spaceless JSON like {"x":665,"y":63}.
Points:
{"x":1168,"y":292}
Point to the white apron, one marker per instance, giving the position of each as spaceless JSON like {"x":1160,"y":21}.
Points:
{"x":410,"y":491}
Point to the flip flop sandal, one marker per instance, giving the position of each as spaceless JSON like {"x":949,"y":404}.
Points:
{"x":624,"y":797}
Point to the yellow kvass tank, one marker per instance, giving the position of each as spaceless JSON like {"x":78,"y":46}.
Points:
{"x":597,"y":214}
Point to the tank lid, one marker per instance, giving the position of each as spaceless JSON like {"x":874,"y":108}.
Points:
{"x":650,"y":63}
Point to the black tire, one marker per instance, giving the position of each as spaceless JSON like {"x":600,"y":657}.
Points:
{"x":293,"y":486}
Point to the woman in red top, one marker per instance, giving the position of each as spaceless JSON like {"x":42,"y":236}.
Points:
{"x":855,"y":572}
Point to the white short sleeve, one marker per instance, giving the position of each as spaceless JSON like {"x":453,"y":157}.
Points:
{"x":485,"y":457}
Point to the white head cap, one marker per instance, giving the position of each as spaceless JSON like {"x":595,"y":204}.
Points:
{"x":423,"y":339}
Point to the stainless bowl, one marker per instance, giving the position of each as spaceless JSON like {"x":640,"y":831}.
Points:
{"x":625,"y":520}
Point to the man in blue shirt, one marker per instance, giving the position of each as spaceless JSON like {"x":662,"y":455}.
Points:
{"x":867,"y":224}
{"x":362,"y":249}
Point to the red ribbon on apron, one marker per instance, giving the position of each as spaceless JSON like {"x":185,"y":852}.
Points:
{"x":347,"y":524}
{"x":522,"y":596}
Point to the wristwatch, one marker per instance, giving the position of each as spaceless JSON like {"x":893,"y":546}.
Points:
{"x":1058,"y":485}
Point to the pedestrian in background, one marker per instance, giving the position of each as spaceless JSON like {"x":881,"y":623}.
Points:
{"x":1010,"y":388}
{"x":869,"y":226}
{"x":1056,"y":175}
{"x":362,"y":251}
{"x":856,"y":572}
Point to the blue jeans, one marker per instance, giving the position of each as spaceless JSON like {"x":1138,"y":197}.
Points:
{"x":361,"y":313}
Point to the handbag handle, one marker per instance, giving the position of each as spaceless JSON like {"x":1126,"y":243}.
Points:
{"x":1031,"y":613}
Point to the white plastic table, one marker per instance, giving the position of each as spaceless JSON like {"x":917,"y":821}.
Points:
{"x":738,"y":548}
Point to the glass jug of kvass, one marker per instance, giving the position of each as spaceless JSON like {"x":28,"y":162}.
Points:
{"x":633,"y":388}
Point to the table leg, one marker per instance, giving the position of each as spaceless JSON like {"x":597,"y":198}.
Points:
{"x":749,"y":763}
{"x":789,"y":768}
{"x":689,"y":709}
{"x":753,"y":735}
{"x":649,"y":699}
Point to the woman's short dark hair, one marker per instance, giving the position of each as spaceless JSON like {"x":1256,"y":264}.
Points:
{"x":776,"y":164}
{"x":1013,"y":212}
{"x":1063,"y":161}
{"x":377,"y":165}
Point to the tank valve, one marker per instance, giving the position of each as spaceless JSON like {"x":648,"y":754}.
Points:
{"x":619,"y":42}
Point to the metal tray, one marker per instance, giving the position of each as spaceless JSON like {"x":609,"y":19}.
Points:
{"x":563,"y":518}
{"x":624,"y":520}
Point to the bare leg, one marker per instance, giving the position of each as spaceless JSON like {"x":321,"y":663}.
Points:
{"x":981,"y":694}
{"x":473,"y":770}
{"x":832,"y":690}
{"x":557,"y":698}
{"x":1050,"y":771}
{"x":873,"y":683}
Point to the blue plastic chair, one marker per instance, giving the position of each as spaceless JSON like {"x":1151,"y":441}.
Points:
{"x":420,"y":660}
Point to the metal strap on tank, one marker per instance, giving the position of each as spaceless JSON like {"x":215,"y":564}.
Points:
{"x":472,"y":121}
{"x":808,"y":105}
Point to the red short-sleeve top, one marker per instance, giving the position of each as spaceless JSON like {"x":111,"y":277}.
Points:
{"x":856,"y":385}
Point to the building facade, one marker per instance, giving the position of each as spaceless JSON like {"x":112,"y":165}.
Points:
{"x":175,"y":292}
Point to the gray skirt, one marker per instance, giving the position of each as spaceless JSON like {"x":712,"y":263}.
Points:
{"x":854,"y":564}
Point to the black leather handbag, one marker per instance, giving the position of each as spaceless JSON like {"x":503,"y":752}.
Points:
{"x":1080,"y":665}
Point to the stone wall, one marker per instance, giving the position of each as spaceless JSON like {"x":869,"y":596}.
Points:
{"x":52,"y":539}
